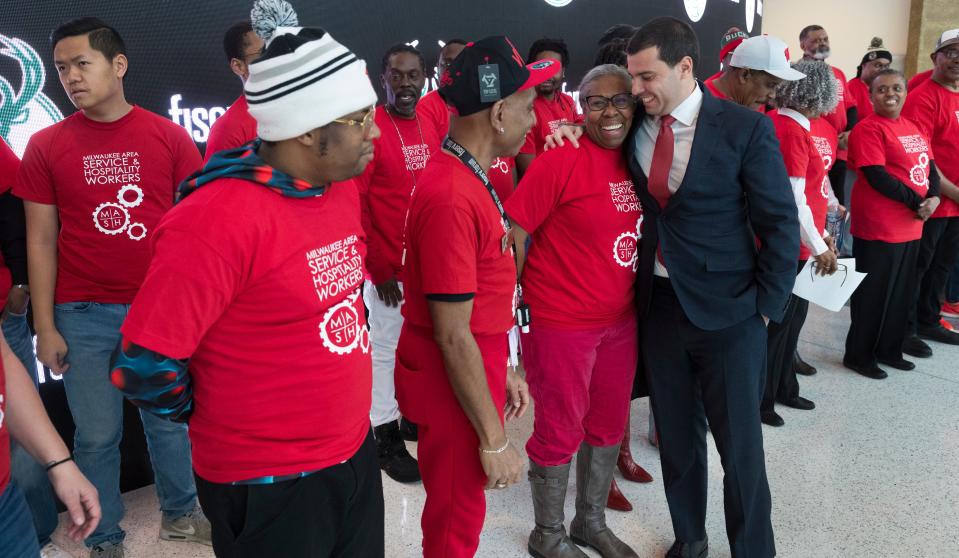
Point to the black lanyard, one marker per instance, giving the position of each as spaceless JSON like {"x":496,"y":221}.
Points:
{"x":463,"y":155}
{"x":449,"y":144}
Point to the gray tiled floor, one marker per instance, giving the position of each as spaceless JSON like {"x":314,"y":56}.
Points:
{"x":872,"y":472}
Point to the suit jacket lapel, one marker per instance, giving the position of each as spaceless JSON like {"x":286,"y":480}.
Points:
{"x":707,"y":130}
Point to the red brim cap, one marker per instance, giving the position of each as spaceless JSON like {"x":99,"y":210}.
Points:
{"x":540,"y":71}
{"x":731,"y":46}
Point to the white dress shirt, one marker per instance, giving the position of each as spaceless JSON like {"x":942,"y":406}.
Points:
{"x":684,"y":130}
{"x":810,"y":236}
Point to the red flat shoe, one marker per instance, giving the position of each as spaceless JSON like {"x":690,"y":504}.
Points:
{"x":630,"y":469}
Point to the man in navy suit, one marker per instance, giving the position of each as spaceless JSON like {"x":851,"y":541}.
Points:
{"x":712,"y":182}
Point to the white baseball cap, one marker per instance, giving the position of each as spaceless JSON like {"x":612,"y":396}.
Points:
{"x":950,"y":37}
{"x":767,"y":54}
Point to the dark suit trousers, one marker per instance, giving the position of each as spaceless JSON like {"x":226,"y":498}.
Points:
{"x":730,"y":367}
{"x":781,"y":382}
{"x":879,"y":309}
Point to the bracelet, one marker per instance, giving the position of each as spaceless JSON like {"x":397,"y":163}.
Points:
{"x":501,"y":450}
{"x":53,"y":464}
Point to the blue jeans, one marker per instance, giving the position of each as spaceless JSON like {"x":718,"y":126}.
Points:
{"x":29,"y":475}
{"x":952,"y":287}
{"x":92,"y":331}
{"x":17,"y":537}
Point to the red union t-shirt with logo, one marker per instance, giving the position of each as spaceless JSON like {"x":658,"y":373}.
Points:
{"x":935,"y":111}
{"x":803,"y":160}
{"x":899,"y":147}
{"x":386,"y":185}
{"x":549,"y":116}
{"x":235,"y":128}
{"x":826,"y":140}
{"x":455,"y":246}
{"x":262,"y":292}
{"x":111,"y":183}
{"x":581,"y":209}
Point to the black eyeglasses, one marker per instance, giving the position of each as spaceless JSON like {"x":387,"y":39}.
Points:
{"x":950,"y":53}
{"x":839,"y":268}
{"x":598,"y":103}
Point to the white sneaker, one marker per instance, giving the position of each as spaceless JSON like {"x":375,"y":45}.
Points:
{"x":51,"y":550}
{"x":193,"y":527}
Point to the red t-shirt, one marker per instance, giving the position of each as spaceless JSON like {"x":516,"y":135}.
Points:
{"x":900,"y":147}
{"x":111,"y":183}
{"x":803,"y":160}
{"x":918,"y":80}
{"x":549,"y":115}
{"x":9,"y":164}
{"x":4,"y":434}
{"x":432,"y":108}
{"x":581,"y":209}
{"x":858,"y":91}
{"x":838,"y":117}
{"x":386,"y":184}
{"x":262,"y":292}
{"x":235,"y":128}
{"x":826,"y":140}
{"x":935,"y":111}
{"x":455,"y":246}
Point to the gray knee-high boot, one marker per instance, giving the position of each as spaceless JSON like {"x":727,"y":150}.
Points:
{"x":549,"y":539}
{"x":594,"y":473}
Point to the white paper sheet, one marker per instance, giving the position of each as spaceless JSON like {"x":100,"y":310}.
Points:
{"x":832,"y":291}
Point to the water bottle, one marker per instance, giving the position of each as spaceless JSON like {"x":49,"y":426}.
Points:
{"x":834,"y":222}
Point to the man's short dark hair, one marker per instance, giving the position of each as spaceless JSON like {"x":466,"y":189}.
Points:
{"x":103,"y":38}
{"x":674,"y":38}
{"x":887,"y":72}
{"x":234,"y":40}
{"x":809,"y":29}
{"x":619,"y":31}
{"x":454,"y":41}
{"x":399,"y":48}
{"x":612,"y":52}
{"x":552,"y":45}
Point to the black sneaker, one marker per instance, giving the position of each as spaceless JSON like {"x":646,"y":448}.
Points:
{"x":913,"y":346}
{"x":940,"y":334}
{"x":408,"y":430}
{"x":395,"y":461}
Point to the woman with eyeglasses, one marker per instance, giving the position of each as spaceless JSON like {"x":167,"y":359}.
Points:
{"x":581,"y":351}
{"x":800,"y":103}
{"x":896,"y":190}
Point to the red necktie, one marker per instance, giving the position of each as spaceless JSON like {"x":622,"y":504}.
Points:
{"x":662,"y":162}
{"x":659,"y":168}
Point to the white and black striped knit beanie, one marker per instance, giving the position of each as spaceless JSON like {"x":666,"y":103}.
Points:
{"x":305,"y":78}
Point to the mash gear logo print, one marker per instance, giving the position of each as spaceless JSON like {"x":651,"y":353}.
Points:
{"x":107,"y":169}
{"x":337,"y":270}
{"x":626,"y":247}
{"x":27,"y":110}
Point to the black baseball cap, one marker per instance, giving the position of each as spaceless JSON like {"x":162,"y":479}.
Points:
{"x":489,"y":70}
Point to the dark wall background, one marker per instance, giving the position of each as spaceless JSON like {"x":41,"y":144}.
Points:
{"x":175,"y":48}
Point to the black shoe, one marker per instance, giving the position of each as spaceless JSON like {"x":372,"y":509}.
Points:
{"x":698,"y":549}
{"x":800,"y":403}
{"x":395,"y":461}
{"x":408,"y":430}
{"x":870,"y":371}
{"x":913,"y":346}
{"x":898,"y":364}
{"x":940,"y":334}
{"x":767,"y":417}
{"x":802,"y":367}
